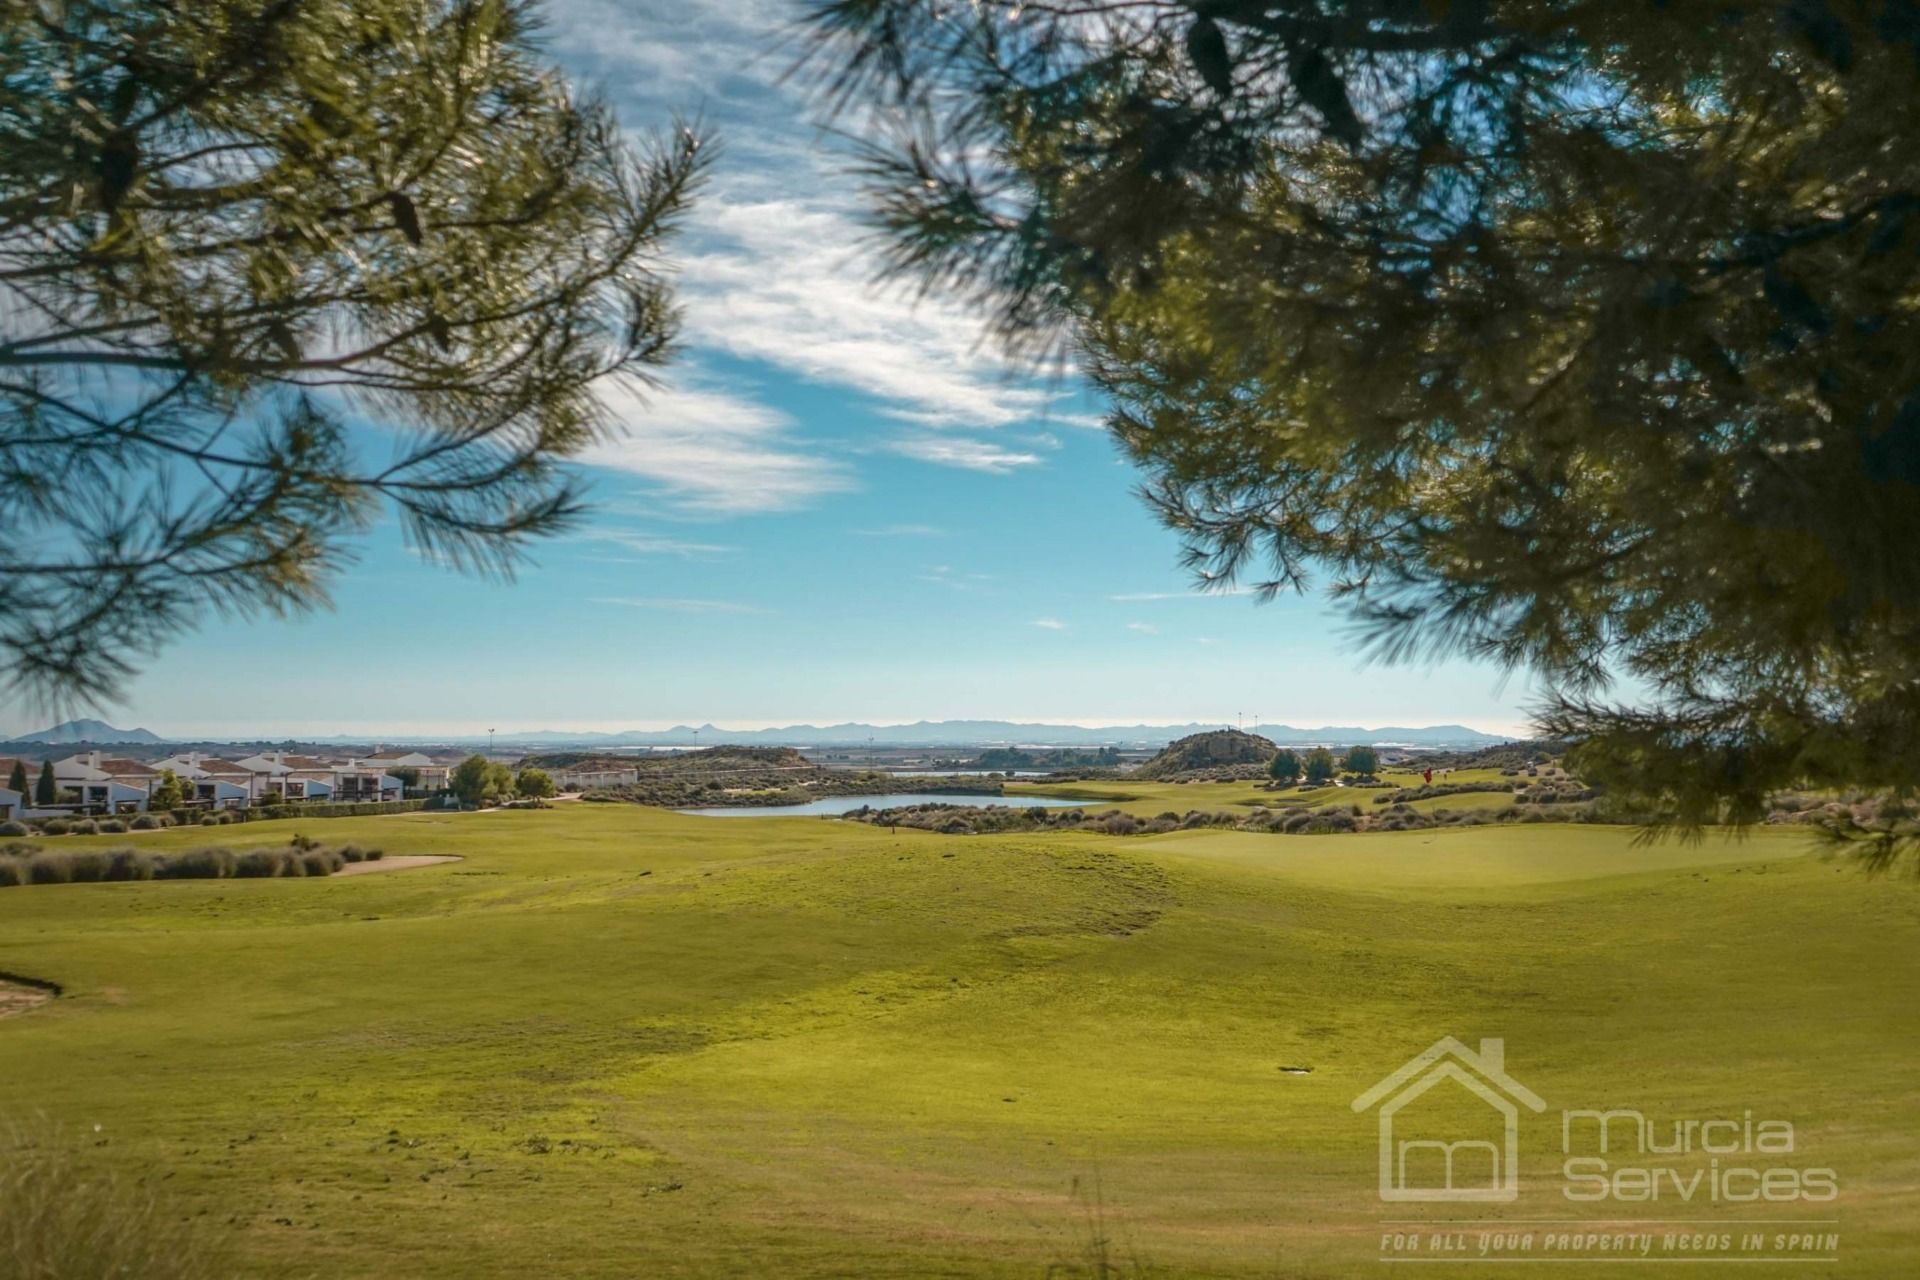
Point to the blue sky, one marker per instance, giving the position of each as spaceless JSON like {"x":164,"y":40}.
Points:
{"x":844,"y":506}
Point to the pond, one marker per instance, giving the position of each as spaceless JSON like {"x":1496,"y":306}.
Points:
{"x":847,"y":804}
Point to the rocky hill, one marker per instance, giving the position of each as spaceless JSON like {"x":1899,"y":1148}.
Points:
{"x":1221,"y":754}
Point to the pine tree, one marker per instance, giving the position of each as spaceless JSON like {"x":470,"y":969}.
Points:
{"x":47,"y":790}
{"x":1576,"y":335}
{"x":227,"y":228}
{"x":17,"y":781}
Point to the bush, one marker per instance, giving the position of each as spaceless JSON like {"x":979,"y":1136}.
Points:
{"x":196,"y":864}
{"x":49,"y":868}
{"x":54,"y":827}
{"x":322,"y":862}
{"x":258,"y":863}
{"x":15,"y":829}
{"x":110,"y":826}
{"x":13,"y":871}
{"x":83,"y":827}
{"x":128,"y":864}
{"x":145,"y":822}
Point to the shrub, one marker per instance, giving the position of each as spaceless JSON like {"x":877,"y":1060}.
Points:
{"x":49,"y":868}
{"x":83,"y":827}
{"x":12,"y":871}
{"x":196,"y":864}
{"x":15,"y":829}
{"x":208,"y":820}
{"x":257,"y":863}
{"x":303,"y":843}
{"x":54,"y":827}
{"x":322,"y":862}
{"x":110,"y":826}
{"x":145,"y":822}
{"x":128,"y":864}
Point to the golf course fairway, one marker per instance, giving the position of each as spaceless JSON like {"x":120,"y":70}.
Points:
{"x":615,"y":1041}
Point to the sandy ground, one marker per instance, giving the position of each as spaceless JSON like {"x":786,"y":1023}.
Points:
{"x":18,"y":998}
{"x":403,"y":863}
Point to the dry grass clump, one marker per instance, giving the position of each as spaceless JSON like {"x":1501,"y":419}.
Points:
{"x":64,"y":1218}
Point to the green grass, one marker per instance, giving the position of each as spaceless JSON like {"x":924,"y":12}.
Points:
{"x":621,"y":1042}
{"x":1150,"y":799}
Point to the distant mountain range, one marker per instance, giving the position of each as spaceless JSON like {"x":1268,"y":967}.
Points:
{"x":924,"y":733}
{"x":89,"y":731}
{"x":993,"y":733}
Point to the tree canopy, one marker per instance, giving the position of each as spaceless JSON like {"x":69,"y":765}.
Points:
{"x":535,"y":784}
{"x":1285,"y":765}
{"x":166,"y":793}
{"x":1574,"y":334}
{"x":229,"y":231}
{"x":1319,"y":765}
{"x":478,"y":780}
{"x":1360,"y":760}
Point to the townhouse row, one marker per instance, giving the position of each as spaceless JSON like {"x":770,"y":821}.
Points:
{"x":94,"y":782}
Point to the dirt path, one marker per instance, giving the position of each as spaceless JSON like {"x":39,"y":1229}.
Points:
{"x":405,"y":862}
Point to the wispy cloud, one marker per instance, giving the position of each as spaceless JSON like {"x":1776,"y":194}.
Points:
{"x":790,"y":281}
{"x":777,"y":262}
{"x":1050,"y":624}
{"x":1144,"y":628}
{"x":965,"y":452}
{"x":650,"y":544}
{"x":670,"y":604}
{"x":902,"y":531}
{"x":1135,"y":597}
{"x":945,"y":575}
{"x":713,"y":452}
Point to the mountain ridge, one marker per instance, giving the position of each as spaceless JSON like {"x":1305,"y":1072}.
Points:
{"x":70,"y":731}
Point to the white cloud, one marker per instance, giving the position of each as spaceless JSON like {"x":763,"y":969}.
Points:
{"x":1135,"y":597}
{"x":1144,"y":628}
{"x":712,"y":452}
{"x":964,"y":452}
{"x":1050,"y":624}
{"x":777,"y":265}
{"x":650,"y":544}
{"x":791,"y":281}
{"x":902,"y":531}
{"x":667,"y":604}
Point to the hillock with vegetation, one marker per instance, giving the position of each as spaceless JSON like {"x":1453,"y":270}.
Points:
{"x":1004,"y":759}
{"x":745,"y":776}
{"x":1222,"y":755}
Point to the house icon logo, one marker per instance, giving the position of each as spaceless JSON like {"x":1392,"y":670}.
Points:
{"x":1482,"y":1165}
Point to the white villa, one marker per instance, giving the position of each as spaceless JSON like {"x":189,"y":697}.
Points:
{"x":581,"y":779}
{"x":433,"y":775}
{"x":96,"y":782}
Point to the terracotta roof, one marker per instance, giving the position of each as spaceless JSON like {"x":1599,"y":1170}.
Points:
{"x":224,"y":767}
